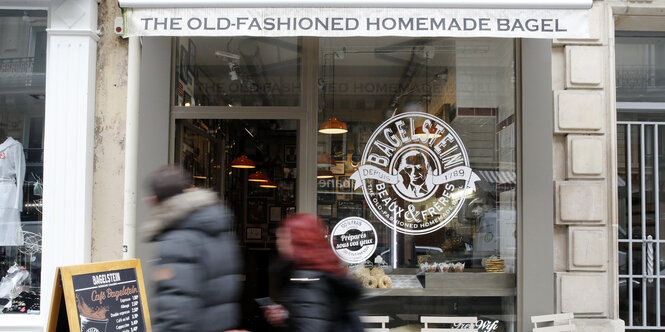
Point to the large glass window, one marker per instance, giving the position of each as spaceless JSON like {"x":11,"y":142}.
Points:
{"x":22,"y":69}
{"x":237,"y":71}
{"x":428,"y":160}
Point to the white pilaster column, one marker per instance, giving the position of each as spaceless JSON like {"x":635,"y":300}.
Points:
{"x":68,"y":146}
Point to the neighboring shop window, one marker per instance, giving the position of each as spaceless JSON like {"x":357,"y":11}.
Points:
{"x":417,"y":174}
{"x":640,"y":69}
{"x":237,"y":71}
{"x":22,"y":69}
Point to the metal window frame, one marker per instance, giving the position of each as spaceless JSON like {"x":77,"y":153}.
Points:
{"x":643,"y":275}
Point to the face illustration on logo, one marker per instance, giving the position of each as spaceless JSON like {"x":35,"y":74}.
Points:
{"x":415,"y":184}
{"x":414,"y":170}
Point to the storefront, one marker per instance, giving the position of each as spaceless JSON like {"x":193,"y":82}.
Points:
{"x":479,"y":140}
{"x":421,"y":157}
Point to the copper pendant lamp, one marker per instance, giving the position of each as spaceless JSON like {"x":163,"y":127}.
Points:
{"x":243,"y":162}
{"x":333,"y":126}
{"x":324,"y":174}
{"x":422,"y":134}
{"x":258,"y":176}
{"x":268,"y":184}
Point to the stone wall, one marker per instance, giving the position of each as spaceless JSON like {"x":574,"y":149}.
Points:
{"x":585,"y":220}
{"x":110,"y":109}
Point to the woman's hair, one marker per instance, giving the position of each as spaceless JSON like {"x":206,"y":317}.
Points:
{"x":167,"y":182}
{"x":311,"y":248}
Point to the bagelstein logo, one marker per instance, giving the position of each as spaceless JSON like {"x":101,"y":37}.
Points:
{"x":414,"y":173}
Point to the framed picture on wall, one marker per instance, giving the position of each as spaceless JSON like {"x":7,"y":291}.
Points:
{"x":254,"y":233}
{"x":290,"y":154}
{"x":256,"y":211}
{"x":184,"y":63}
{"x":192,"y":58}
{"x":275,"y":213}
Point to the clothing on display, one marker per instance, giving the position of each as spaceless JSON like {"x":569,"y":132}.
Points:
{"x":12,"y":174}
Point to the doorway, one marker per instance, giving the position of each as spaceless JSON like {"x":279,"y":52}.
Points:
{"x":252,"y":166}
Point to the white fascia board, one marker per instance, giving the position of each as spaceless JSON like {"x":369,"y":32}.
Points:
{"x":502,"y":4}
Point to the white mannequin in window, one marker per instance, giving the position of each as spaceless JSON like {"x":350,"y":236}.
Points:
{"x":12,"y":174}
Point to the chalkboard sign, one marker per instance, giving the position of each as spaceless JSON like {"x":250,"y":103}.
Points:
{"x":100,"y":297}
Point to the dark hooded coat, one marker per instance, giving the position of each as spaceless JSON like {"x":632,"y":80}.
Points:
{"x":319,"y":301}
{"x":197,"y":270}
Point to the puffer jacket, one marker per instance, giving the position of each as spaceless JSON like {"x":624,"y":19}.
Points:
{"x":322,"y":302}
{"x":197,"y":272}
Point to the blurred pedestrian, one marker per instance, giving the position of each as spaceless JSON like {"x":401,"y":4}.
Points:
{"x":316,"y":294}
{"x":198,"y":267}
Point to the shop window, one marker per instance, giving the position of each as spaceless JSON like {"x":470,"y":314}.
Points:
{"x":22,"y":73}
{"x":424,"y":158}
{"x":237,"y":71}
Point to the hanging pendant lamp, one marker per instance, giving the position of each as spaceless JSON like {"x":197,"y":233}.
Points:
{"x":258,"y":177}
{"x":420,"y":133}
{"x":242,"y":162}
{"x":324,"y":174}
{"x":268,"y":184}
{"x":333,"y":126}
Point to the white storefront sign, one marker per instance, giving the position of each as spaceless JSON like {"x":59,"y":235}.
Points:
{"x":415,"y":173}
{"x":355,"y":22}
{"x":353,"y":239}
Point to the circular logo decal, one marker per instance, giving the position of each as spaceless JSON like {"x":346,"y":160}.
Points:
{"x":414,"y":173}
{"x":353,"y":239}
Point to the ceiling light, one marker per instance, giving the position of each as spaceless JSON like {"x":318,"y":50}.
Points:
{"x":258,"y":177}
{"x":420,"y":133}
{"x":243,"y":162}
{"x":268,"y":184}
{"x":333,"y":126}
{"x":324,"y":174}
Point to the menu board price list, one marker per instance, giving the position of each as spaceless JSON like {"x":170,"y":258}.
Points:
{"x":109,"y":301}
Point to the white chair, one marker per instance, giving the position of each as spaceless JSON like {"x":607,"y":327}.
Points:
{"x":554,"y":323}
{"x":375,"y":320}
{"x":471,"y":321}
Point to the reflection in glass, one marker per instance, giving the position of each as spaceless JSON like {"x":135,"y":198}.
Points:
{"x":22,"y":94}
{"x":640,"y":69}
{"x":237,"y":71}
{"x":470,"y":85}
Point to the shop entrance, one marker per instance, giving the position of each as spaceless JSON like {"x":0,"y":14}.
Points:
{"x":251,"y":164}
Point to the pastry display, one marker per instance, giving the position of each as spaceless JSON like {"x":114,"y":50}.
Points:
{"x":370,"y":282}
{"x":495,"y":265}
{"x":442,"y":267}
{"x":373,"y":278}
{"x":377,"y":272}
{"x":385,"y":282}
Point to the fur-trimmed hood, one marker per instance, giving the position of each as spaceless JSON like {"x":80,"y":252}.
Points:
{"x":194,"y":209}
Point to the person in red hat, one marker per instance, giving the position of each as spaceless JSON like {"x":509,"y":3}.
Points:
{"x":316,"y":294}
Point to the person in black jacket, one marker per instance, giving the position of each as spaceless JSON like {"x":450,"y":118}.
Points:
{"x":316,"y":293}
{"x":197,"y":269}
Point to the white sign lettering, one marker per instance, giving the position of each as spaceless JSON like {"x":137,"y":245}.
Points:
{"x":353,"y":239}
